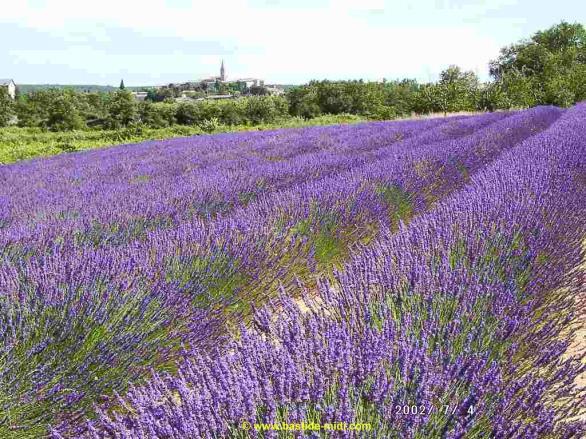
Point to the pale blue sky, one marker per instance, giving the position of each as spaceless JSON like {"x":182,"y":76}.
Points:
{"x":284,"y":41}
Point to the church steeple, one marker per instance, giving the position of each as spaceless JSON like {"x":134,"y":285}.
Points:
{"x":222,"y":72}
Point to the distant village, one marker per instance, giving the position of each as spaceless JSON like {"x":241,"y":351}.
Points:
{"x":210,"y":88}
{"x":214,"y":87}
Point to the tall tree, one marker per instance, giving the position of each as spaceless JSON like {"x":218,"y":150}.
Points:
{"x":63,"y":113}
{"x":456,"y":90}
{"x":122,"y":110}
{"x":122,"y":87}
{"x":548,"y":68}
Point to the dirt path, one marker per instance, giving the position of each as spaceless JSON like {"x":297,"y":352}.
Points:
{"x":578,"y":328}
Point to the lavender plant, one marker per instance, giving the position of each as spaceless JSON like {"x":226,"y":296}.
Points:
{"x":423,"y":250}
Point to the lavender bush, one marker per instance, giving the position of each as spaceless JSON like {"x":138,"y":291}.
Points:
{"x":424,"y":250}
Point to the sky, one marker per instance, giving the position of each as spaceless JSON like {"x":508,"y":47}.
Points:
{"x":151,"y":42}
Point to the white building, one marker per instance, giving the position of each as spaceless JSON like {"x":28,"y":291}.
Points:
{"x":10,"y":86}
{"x":250,"y":82}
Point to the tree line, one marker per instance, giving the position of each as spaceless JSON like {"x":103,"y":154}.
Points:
{"x":548,"y":68}
{"x":66,"y":110}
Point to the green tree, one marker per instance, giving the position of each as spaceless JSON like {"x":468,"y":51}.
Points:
{"x":401,"y":95}
{"x":334,"y":98}
{"x":33,"y":109}
{"x":63,"y":114}
{"x":265,"y":109}
{"x":122,"y":87}
{"x":303,"y":101}
{"x":6,"y":107}
{"x":208,"y":110}
{"x":233,"y":112}
{"x":456,"y":90}
{"x":491,"y":97}
{"x":548,"y":68}
{"x":155,"y":115}
{"x":426,"y":99}
{"x":122,"y":110}
{"x":61,"y":109}
{"x":93,"y":108}
{"x":186,"y":114}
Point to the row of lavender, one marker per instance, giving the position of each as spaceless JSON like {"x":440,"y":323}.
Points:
{"x":85,"y":311}
{"x":179,"y":177}
{"x":429,"y":317}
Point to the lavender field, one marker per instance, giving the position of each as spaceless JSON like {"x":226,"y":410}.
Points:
{"x":418,"y":277}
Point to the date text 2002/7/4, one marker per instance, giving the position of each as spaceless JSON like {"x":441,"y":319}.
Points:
{"x":423,"y":409}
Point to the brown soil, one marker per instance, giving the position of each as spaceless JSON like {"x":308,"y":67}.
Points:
{"x":577,"y":347}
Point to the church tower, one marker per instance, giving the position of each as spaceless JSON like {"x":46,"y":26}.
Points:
{"x":222,"y":72}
